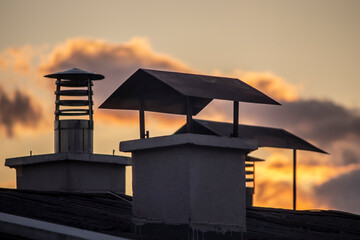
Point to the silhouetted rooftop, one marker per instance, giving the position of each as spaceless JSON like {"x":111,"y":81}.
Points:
{"x":101,"y":212}
{"x":265,"y":136}
{"x":166,"y":92}
{"x":111,"y":214}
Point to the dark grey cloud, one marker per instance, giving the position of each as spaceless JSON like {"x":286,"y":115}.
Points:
{"x":350,"y":157}
{"x":342,"y":193}
{"x":322,"y":121}
{"x":18,"y":109}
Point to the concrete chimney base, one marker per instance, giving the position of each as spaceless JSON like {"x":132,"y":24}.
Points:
{"x":190,"y":185}
{"x":70,"y":172}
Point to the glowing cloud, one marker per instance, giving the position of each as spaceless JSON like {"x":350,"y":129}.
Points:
{"x":267,"y":82}
{"x":117,"y":61}
{"x":3,"y":62}
{"x":19,"y":59}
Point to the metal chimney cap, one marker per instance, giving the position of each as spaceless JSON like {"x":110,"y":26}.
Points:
{"x":75,"y":74}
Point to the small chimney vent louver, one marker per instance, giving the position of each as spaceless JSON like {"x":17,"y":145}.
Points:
{"x":74,"y":98}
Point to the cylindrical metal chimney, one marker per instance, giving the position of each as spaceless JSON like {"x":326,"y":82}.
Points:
{"x":74,"y":98}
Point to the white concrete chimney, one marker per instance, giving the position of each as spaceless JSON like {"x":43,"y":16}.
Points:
{"x":189,"y":186}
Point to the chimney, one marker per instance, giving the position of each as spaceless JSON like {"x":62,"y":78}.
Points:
{"x":73,"y":167}
{"x":74,"y":135}
{"x":191,"y":185}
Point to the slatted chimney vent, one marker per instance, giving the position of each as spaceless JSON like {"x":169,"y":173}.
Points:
{"x":74,"y":99}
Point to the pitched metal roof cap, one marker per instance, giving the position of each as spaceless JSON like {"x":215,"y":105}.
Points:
{"x":164,"y":91}
{"x":266,"y":137}
{"x":253,"y":159}
{"x":75,"y":74}
{"x":196,"y":85}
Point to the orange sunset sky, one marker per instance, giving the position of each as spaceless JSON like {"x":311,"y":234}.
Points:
{"x":304,"y":54}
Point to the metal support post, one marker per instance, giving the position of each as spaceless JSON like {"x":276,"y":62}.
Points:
{"x":236,"y":119}
{"x":294,"y":179}
{"x":188,"y":115}
{"x":142,"y":119}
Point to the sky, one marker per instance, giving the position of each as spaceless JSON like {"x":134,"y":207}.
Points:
{"x":304,"y":54}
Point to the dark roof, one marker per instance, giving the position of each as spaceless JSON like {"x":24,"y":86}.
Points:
{"x":75,"y":74}
{"x":282,"y":224}
{"x":103,"y":213}
{"x":265,"y":136}
{"x":111,"y":214}
{"x":165,"y":92}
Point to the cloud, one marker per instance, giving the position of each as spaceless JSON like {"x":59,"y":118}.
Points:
{"x":154,"y":121}
{"x":116,"y":61}
{"x":342,"y":192}
{"x":278,"y":194}
{"x":323,"y":121}
{"x":350,"y":157}
{"x":331,"y":126}
{"x":18,"y":59}
{"x":3,"y":62}
{"x":18,"y":109}
{"x":8,"y":184}
{"x":269,"y":83}
{"x":267,"y":194}
{"x":274,"y":183}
